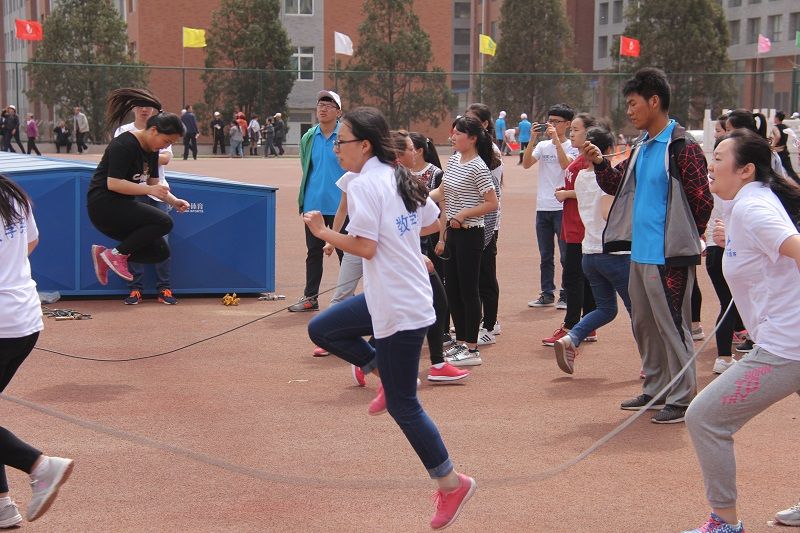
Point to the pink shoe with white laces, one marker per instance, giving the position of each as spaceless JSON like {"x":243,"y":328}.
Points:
{"x":100,"y":266}
{"x":118,"y":263}
{"x":378,"y":405}
{"x":449,"y":504}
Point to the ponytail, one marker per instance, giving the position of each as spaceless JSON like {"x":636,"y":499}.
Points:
{"x":483,"y":142}
{"x":429,"y":153}
{"x":413,"y":193}
{"x":121,"y":101}
{"x":11,"y":196}
{"x":742,"y":118}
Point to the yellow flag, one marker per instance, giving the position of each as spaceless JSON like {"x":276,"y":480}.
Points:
{"x":193,"y":38}
{"x":487,"y":45}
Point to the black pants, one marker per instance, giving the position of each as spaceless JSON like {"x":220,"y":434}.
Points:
{"x":732,"y":321}
{"x":139,"y":227}
{"x":580,"y":299}
{"x":190,"y":143}
{"x":269,"y":148}
{"x":32,"y":146}
{"x":219,"y":139}
{"x":488,"y":288}
{"x":314,"y":259}
{"x":279,"y":145}
{"x":437,"y":329}
{"x":14,"y":452}
{"x":462,"y":271}
{"x":79,"y":142}
{"x":67,"y":145}
{"x":522,"y":147}
{"x":697,"y":301}
{"x":19,"y":142}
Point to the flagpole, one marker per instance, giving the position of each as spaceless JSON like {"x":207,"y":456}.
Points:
{"x":183,"y":72}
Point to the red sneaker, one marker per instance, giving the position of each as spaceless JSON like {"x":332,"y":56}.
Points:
{"x":447,"y":373}
{"x":100,"y":267}
{"x":565,"y":354}
{"x":449,"y":504}
{"x":358,"y":376}
{"x":320,"y":352}
{"x":642,"y":375}
{"x":118,"y":263}
{"x":378,"y":405}
{"x":557,"y":334}
{"x":592,"y":337}
{"x":739,"y":336}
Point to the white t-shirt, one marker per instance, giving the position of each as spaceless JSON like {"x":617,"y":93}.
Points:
{"x":764,"y":283}
{"x":551,"y":175}
{"x":464,"y":187}
{"x":20,"y":310}
{"x":588,"y":194}
{"x":161,"y":173}
{"x":396,"y":283}
{"x":344,"y":182}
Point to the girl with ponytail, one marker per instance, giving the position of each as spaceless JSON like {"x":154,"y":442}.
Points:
{"x":388,"y":211}
{"x":756,"y":122}
{"x":129,"y":169}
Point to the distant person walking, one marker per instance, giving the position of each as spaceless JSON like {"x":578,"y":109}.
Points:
{"x":80,"y":125}
{"x":32,"y":131}
{"x":191,"y":133}
{"x":280,"y":132}
{"x":218,"y":133}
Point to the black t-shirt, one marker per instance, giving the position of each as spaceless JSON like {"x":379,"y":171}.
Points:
{"x":123,"y":159}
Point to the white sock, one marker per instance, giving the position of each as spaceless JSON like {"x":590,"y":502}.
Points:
{"x":438,"y":366}
{"x":115,"y":251}
{"x":42,"y":468}
{"x":5,"y":501}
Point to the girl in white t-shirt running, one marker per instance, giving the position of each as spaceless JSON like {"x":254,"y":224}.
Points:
{"x":762,"y":266}
{"x":20,"y":324}
{"x":388,"y":211}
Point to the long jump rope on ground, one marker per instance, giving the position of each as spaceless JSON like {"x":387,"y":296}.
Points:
{"x":333,"y":483}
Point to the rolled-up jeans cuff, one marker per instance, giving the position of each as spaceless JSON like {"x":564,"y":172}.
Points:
{"x":442,"y":470}
{"x":370,"y":366}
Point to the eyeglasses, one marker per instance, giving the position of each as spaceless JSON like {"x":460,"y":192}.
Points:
{"x":326,"y":105}
{"x":338,"y":142}
{"x":555,"y":121}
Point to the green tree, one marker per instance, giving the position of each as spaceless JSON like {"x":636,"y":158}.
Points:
{"x":81,"y":58}
{"x":688,"y":40}
{"x":533,"y":68}
{"x":391,"y":67}
{"x":251,"y":54}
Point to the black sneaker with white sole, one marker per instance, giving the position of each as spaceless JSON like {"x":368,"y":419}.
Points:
{"x":670,"y":414}
{"x":745,"y":347}
{"x":640,"y":401}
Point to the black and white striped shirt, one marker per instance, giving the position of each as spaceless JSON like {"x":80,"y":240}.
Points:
{"x":465,"y":185}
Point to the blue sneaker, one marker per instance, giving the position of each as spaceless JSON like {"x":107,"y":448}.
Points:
{"x":716,"y":524}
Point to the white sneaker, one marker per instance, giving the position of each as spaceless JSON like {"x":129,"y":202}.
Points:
{"x":721,"y":365}
{"x":9,"y":515}
{"x":485,"y":337}
{"x":790,"y":516}
{"x":45,"y":486}
{"x":466,"y":358}
{"x":496,"y":329}
{"x":455,"y":349}
{"x":697,"y":333}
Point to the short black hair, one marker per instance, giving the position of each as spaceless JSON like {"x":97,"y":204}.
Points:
{"x":561,"y":110}
{"x":649,"y":82}
{"x":780,"y":115}
{"x":601,"y":137}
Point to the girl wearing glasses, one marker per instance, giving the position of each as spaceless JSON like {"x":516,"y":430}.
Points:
{"x":388,"y":211}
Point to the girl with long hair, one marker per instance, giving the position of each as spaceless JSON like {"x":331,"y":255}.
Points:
{"x":388,"y":211}
{"x":129,"y":168}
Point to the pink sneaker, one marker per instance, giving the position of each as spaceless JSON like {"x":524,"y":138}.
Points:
{"x":557,"y":334}
{"x":320,"y":352}
{"x":447,"y":373}
{"x":449,"y":504}
{"x":118,"y":263}
{"x":378,"y":405}
{"x":100,"y":267}
{"x":565,"y":354}
{"x":358,"y":376}
{"x":642,"y":375}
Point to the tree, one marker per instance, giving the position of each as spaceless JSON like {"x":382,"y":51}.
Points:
{"x":391,"y":67}
{"x":532,"y":68}
{"x":81,"y":58}
{"x":247,"y":39}
{"x":689,"y":41}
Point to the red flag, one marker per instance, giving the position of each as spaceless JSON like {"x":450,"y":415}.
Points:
{"x":628,"y":46}
{"x":29,"y":30}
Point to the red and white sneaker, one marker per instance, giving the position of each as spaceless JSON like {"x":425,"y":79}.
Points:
{"x":358,"y":376}
{"x":320,"y":352}
{"x":642,"y":375}
{"x":118,"y":263}
{"x":566,"y":352}
{"x":378,"y":405}
{"x":450,"y":504}
{"x":739,"y":336}
{"x":100,"y":266}
{"x":447,"y":373}
{"x":591,"y":337}
{"x":557,"y":334}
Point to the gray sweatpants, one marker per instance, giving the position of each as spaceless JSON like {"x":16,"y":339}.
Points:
{"x":350,"y":271}
{"x":661,"y":317}
{"x":754,"y":383}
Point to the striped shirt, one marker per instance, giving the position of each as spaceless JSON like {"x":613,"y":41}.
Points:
{"x":464,"y":187}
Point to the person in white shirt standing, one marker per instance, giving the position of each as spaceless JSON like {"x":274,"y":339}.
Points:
{"x":389,"y":210}
{"x":20,"y":324}
{"x":762,"y":266}
{"x":553,"y":156}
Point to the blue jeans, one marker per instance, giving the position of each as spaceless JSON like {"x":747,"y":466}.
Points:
{"x":164,"y":268}
{"x":548,"y":226}
{"x":608,"y":276}
{"x":341,"y":330}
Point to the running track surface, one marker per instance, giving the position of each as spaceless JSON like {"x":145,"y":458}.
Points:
{"x":248,"y":432}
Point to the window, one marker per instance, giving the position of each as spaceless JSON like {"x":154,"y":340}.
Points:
{"x":461,"y":10}
{"x":794,"y":24}
{"x":461,"y":36}
{"x":299,"y":7}
{"x":461,"y":63}
{"x":774,"y":32}
{"x":753,"y":1}
{"x":616,"y":13}
{"x":602,"y":47}
{"x":734,"y":28}
{"x":734,"y":3}
{"x":460,"y":86}
{"x":303,"y":62}
{"x":130,"y":6}
{"x":603,"y":13}
{"x":753,"y":29}
{"x":495,"y":35}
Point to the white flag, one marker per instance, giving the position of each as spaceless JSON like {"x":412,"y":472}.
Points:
{"x":342,"y":44}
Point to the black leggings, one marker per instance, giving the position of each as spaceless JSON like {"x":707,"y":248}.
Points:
{"x":732,"y":321}
{"x":580,"y":299}
{"x":437,"y":329}
{"x":139,"y":227}
{"x":697,"y":301}
{"x":488,"y":288}
{"x":462,"y":271}
{"x":14,"y":452}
